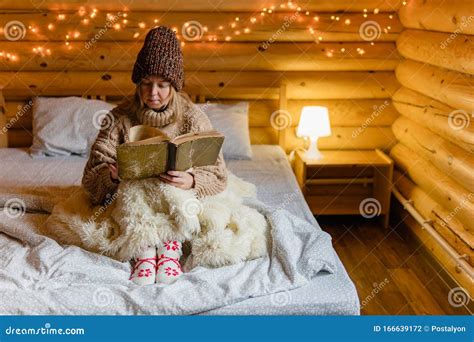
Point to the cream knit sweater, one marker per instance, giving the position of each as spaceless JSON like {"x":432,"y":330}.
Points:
{"x":208,"y":180}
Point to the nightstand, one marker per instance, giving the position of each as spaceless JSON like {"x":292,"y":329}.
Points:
{"x":347,"y":183}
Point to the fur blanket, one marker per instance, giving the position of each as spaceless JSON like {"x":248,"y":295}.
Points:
{"x":220,"y":229}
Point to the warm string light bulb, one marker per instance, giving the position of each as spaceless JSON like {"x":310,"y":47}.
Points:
{"x":234,"y":25}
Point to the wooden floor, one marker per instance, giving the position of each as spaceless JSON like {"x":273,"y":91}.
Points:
{"x":392,"y":275}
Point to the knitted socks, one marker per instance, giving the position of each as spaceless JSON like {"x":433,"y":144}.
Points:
{"x":168,"y":267}
{"x":144,"y":269}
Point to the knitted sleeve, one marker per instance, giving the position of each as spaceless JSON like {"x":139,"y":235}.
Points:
{"x":208,"y":180}
{"x":96,"y":179}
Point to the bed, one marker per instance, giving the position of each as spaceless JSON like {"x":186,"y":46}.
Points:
{"x":327,"y":294}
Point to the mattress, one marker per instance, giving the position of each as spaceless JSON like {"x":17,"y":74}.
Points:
{"x":269,"y":170}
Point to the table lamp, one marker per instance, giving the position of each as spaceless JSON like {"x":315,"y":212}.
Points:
{"x":314,"y":123}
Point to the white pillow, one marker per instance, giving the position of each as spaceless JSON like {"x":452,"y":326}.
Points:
{"x":232,"y":120}
{"x":66,"y":125}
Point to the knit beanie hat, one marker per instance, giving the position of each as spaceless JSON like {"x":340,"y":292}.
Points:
{"x":160,"y":55}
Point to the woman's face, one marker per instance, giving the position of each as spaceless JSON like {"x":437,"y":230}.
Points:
{"x":155,"y":91}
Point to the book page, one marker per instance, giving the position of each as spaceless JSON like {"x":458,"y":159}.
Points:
{"x":144,"y":135}
{"x":193,"y":136}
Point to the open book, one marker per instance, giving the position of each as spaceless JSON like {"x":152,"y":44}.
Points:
{"x":151,"y":152}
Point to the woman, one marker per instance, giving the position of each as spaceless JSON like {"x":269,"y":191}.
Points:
{"x":158,"y":101}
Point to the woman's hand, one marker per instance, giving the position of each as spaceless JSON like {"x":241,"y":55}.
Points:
{"x":114,"y":172}
{"x":181,"y":179}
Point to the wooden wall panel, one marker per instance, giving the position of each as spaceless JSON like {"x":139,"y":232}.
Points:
{"x":296,"y":26}
{"x":450,"y":87}
{"x":353,"y":112}
{"x":452,"y":160}
{"x":447,"y":225}
{"x":439,"y":49}
{"x":209,"y":56}
{"x":436,"y":116}
{"x":435,"y":182}
{"x":438,"y":15}
{"x":435,"y":132}
{"x":203,"y":5}
{"x":347,"y":138}
{"x":317,"y":51}
{"x":300,"y":85}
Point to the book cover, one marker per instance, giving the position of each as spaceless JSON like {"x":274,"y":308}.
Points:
{"x":151,"y":152}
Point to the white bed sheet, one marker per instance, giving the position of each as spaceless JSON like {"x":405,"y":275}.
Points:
{"x":327,"y":294}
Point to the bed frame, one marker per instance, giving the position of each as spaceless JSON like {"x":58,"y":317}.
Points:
{"x":265,"y":105}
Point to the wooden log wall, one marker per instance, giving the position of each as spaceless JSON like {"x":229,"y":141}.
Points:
{"x":333,"y":53}
{"x":435,"y":132}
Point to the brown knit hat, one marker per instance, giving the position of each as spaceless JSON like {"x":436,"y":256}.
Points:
{"x":160,"y":55}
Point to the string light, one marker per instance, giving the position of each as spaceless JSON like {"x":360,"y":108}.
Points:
{"x":235,"y":28}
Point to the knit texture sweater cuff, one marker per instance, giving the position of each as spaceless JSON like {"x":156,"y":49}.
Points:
{"x":206,"y":183}
{"x":108,"y":187}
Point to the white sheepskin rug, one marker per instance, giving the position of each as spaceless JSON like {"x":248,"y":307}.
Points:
{"x":220,"y":229}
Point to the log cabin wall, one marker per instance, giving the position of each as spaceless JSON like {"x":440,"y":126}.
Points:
{"x":435,"y":132}
{"x":340,"y":54}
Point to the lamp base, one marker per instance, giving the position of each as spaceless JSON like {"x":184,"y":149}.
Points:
{"x":313,"y":152}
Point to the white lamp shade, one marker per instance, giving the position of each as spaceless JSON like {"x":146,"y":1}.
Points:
{"x":314,"y":122}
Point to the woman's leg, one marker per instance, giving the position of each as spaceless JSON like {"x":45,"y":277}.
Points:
{"x":168,"y":267}
{"x":144,"y":269}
